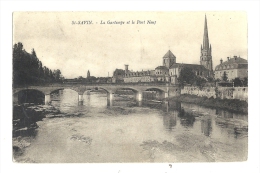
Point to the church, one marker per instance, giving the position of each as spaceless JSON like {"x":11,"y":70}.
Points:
{"x":170,"y":70}
{"x":204,"y":69}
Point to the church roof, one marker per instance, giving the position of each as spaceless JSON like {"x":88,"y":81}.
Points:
{"x":169,"y":54}
{"x":193,"y":66}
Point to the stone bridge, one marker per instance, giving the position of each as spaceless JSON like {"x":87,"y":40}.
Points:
{"x":165,"y":90}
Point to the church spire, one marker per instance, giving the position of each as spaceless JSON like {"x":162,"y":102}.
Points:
{"x":206,"y":57}
{"x":206,"y":37}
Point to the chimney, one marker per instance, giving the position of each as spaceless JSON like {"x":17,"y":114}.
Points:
{"x":235,"y":57}
{"x":221,"y":61}
{"x":228,"y":58}
{"x":126,"y":68}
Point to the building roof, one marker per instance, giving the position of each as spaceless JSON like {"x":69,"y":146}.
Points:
{"x":233,"y":63}
{"x":193,"y":66}
{"x":162,"y":67}
{"x":169,"y":54}
{"x":139,"y":73}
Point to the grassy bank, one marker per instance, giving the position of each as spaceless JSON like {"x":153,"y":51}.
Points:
{"x":227,"y":104}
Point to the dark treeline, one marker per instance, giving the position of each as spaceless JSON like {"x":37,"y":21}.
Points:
{"x":28,"y":69}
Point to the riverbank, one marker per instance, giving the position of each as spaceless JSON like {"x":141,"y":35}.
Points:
{"x":25,"y":118}
{"x":234,"y":105}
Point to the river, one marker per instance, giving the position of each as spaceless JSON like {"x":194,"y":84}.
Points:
{"x":129,"y":132}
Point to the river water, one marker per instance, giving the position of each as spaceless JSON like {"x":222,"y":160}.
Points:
{"x":129,"y":132}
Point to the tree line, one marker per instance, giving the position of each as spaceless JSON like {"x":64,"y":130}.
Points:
{"x":28,"y":69}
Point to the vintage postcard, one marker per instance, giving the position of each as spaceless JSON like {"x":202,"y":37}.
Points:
{"x":130,"y":87}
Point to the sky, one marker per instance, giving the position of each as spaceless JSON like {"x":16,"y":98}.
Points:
{"x":101,"y":48}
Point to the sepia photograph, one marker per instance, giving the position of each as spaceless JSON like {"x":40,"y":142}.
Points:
{"x":130,"y":87}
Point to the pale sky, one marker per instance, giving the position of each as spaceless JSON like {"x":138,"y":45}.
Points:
{"x":101,"y":48}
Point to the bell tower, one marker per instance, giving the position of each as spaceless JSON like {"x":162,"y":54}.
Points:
{"x":205,"y":56}
{"x":169,"y":59}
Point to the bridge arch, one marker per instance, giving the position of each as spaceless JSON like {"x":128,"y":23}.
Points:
{"x":156,"y":89}
{"x":27,"y":89}
{"x":159,"y":94}
{"x":129,"y":88}
{"x":109,"y":91}
{"x":28,"y":96}
{"x":73,"y":89}
{"x":56,"y":90}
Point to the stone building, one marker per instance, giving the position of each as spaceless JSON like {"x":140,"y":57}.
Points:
{"x":235,"y":67}
{"x":138,"y":76}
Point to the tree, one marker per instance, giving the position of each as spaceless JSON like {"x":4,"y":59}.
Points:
{"x":245,"y":81}
{"x":224,"y":77}
{"x":200,"y":81}
{"x":28,"y":69}
{"x":80,"y":78}
{"x":57,"y":75}
{"x":237,"y":82}
{"x":187,"y":76}
{"x":210,"y":79}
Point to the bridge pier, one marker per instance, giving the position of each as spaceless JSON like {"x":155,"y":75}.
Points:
{"x":139,"y":96}
{"x":110,"y":97}
{"x":80,"y":99}
{"x":166,"y":95}
{"x":47,"y":99}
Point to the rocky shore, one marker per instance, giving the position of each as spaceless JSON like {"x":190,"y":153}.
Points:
{"x":25,"y":118}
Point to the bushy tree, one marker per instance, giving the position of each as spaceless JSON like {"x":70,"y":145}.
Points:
{"x":57,"y":75}
{"x":28,"y":69}
{"x":200,"y":81}
{"x":187,"y":76}
{"x":224,"y":77}
{"x":245,"y":81}
{"x":237,"y":82}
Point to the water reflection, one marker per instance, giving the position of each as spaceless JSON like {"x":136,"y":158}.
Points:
{"x":191,"y":116}
{"x":206,"y":121}
{"x":170,"y":120}
{"x":206,"y":126}
{"x":186,"y":118}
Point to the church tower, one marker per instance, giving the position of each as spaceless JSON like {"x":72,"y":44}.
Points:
{"x":88,"y":75}
{"x":169,"y":59}
{"x":206,"y":57}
